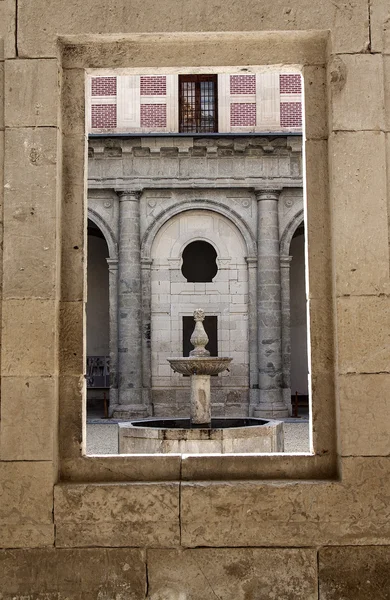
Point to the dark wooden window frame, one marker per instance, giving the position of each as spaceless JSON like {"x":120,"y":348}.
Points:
{"x":197,"y":79}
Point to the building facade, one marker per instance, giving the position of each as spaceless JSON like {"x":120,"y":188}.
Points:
{"x":198,"y":196}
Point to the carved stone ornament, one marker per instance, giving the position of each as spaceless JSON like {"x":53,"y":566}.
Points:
{"x":199,"y":338}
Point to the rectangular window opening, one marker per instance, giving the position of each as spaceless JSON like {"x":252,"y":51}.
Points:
{"x":137,"y":235}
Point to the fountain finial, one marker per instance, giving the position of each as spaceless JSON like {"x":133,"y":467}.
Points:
{"x":199,"y":338}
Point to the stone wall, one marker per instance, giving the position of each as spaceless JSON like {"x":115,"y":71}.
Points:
{"x":196,"y":527}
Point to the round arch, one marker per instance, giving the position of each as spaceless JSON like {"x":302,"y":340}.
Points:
{"x":106,"y":231}
{"x":289,"y":231}
{"x":209,"y":205}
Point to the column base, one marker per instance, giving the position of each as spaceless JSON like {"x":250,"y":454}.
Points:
{"x":271,"y":404}
{"x":270,"y":412}
{"x":129,"y":411}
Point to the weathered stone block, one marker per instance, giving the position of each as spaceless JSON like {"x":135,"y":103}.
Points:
{"x":134,"y":514}
{"x":316,"y":110}
{"x":227,"y":573}
{"x":1,"y":91}
{"x":28,"y":418}
{"x":73,"y":276}
{"x":30,"y":203}
{"x":26,"y":504}
{"x":278,"y":513}
{"x":73,"y":574}
{"x":363,"y":334}
{"x":359,"y":212}
{"x":29,"y":260}
{"x":29,"y":340}
{"x":321,"y":335}
{"x":354,"y":573}
{"x":7,"y":29}
{"x":72,"y":415}
{"x":35,"y":103}
{"x":73,"y":107}
{"x":71,"y":338}
{"x":379,"y":14}
{"x":318,"y":229}
{"x":352,"y":110}
{"x":364,"y":414}
{"x":349,"y":26}
{"x":324,"y":427}
{"x":386,"y":68}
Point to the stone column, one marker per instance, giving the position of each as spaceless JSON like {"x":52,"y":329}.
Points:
{"x":269,"y":308}
{"x":252,"y":333}
{"x":130,"y":403}
{"x":113,"y":329}
{"x":286,"y":332}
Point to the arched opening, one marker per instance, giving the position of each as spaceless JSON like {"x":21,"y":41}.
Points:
{"x":199,"y":262}
{"x":299,"y":357}
{"x":97,"y":312}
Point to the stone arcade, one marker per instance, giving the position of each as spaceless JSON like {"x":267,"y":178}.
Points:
{"x":151,"y":197}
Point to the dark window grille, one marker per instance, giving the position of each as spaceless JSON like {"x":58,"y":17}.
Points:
{"x":198,"y":104}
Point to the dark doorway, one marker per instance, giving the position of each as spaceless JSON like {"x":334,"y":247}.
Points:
{"x":199,"y":262}
{"x":211,"y":327}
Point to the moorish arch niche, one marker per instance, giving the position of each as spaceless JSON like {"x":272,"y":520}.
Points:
{"x":174,"y":298}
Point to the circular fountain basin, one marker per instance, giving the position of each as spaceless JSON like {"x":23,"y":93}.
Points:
{"x":180,"y":436}
{"x":200,"y":365}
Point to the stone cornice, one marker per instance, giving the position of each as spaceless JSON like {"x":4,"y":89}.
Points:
{"x":212,"y":147}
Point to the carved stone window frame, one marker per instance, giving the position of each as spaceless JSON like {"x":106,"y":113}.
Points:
{"x":304,"y":50}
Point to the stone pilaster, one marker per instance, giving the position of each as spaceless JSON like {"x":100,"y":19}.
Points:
{"x":252,"y":332}
{"x":269,"y":308}
{"x":130,"y":403}
{"x":113,"y":328}
{"x":286,"y":328}
{"x":146,"y":264}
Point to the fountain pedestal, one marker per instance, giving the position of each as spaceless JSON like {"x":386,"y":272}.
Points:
{"x":200,"y":400}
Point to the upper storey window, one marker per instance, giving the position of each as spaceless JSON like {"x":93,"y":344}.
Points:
{"x":198,"y":104}
{"x":190,"y":104}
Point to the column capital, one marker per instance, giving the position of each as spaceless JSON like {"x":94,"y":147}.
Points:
{"x":268,"y":194}
{"x":251,"y":261}
{"x":129,"y":195}
{"x":146,"y":263}
{"x":112,"y":263}
{"x":285,"y":261}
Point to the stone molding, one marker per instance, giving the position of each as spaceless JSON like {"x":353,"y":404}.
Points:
{"x":268,"y":194}
{"x":129,"y":195}
{"x":194,"y":147}
{"x":200,"y":204}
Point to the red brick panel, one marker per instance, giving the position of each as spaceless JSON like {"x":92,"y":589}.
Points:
{"x":153,"y":115}
{"x":103,"y":86}
{"x":103,"y":116}
{"x":290,"y":84}
{"x":291,"y":114}
{"x":156,"y":85}
{"x":243,"y":114}
{"x":243,"y":84}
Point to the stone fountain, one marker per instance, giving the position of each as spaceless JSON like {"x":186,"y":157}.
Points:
{"x":200,"y":434}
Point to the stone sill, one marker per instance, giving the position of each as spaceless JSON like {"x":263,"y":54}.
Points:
{"x":217,"y":467}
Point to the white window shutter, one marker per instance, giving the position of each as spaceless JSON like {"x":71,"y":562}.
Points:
{"x":172,"y":100}
{"x":224,"y":103}
{"x":128,"y":102}
{"x":267,"y":101}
